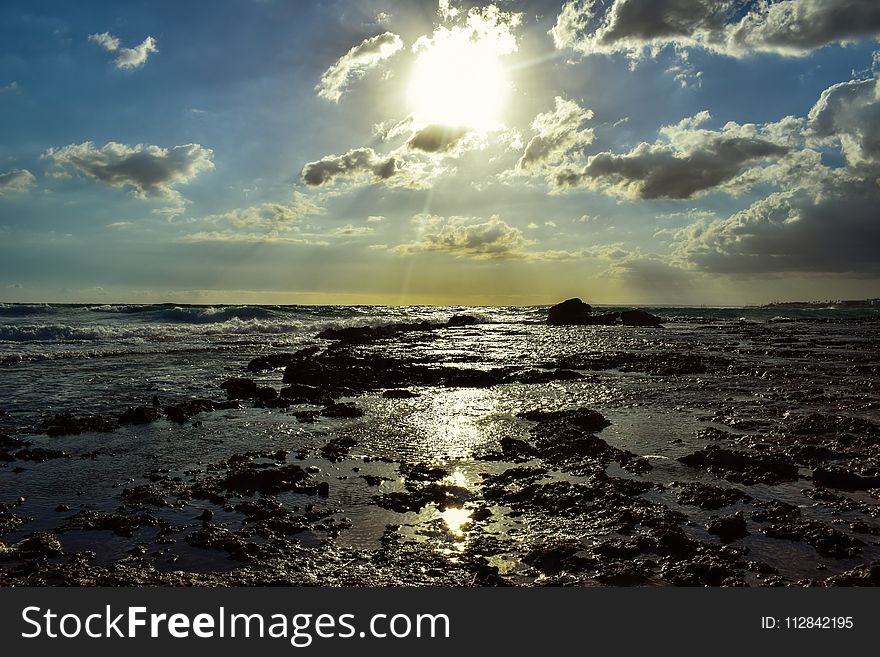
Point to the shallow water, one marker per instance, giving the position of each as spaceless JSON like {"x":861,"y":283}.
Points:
{"x":765,"y":367}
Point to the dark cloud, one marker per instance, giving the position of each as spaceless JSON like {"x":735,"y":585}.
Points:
{"x":356,"y":62}
{"x":17,"y":180}
{"x":356,"y":162}
{"x":829,"y":229}
{"x":686,"y":162}
{"x":151,"y":171}
{"x":437,"y":138}
{"x":731,"y":27}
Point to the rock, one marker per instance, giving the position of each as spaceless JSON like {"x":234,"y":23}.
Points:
{"x":39,"y":544}
{"x":275,"y":361}
{"x":300,"y":393}
{"x":605,"y":319}
{"x":728,"y":528}
{"x":252,"y":479}
{"x":342,"y":410}
{"x":67,"y":424}
{"x":140,"y":415}
{"x":461,"y":320}
{"x":827,"y":541}
{"x":843,"y":479}
{"x":38,"y":454}
{"x":742,"y":467}
{"x":399,"y":394}
{"x":707,"y":496}
{"x":182,"y":412}
{"x":242,"y":388}
{"x":864,"y":575}
{"x":337,"y":449}
{"x":119,"y":524}
{"x":639,"y":318}
{"x":571,"y":311}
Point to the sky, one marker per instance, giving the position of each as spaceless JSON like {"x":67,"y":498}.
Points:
{"x":718,"y":152}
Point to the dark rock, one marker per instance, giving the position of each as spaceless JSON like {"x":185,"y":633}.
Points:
{"x":398,"y":393}
{"x":38,"y":454}
{"x":300,"y":393}
{"x":67,"y":424}
{"x":242,"y":388}
{"x":843,"y":479}
{"x":140,"y":415}
{"x":337,"y":449}
{"x":865,"y":575}
{"x":342,"y":410}
{"x":705,"y":570}
{"x":461,"y":320}
{"x":775,"y":511}
{"x":571,"y":311}
{"x":728,"y":528}
{"x":707,"y":496}
{"x":743,"y":467}
{"x":184,"y":411}
{"x":251,"y":479}
{"x":605,"y":319}
{"x":422,"y":472}
{"x":369,"y":333}
{"x":39,"y":544}
{"x":639,"y":318}
{"x":275,"y":361}
{"x":559,"y":555}
{"x":670,"y":363}
{"x":418,"y":497}
{"x":827,"y":541}
{"x":119,"y":524}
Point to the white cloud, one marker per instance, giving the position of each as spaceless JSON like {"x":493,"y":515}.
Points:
{"x":126,"y":58}
{"x":17,"y":180}
{"x":356,"y":62}
{"x":556,"y":134}
{"x":488,"y":239}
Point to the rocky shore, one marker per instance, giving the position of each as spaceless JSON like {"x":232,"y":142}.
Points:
{"x":556,"y":496}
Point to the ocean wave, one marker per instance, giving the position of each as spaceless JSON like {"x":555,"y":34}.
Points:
{"x":214,"y":314}
{"x":23,"y":310}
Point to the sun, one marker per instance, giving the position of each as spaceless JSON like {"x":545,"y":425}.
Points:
{"x":459,"y":81}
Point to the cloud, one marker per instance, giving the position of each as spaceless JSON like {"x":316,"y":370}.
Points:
{"x":557,"y":133}
{"x":150,"y":171}
{"x":269,"y":217}
{"x":490,"y":239}
{"x":358,"y":162}
{"x":11,"y":88}
{"x":849,"y":113}
{"x":686,"y":161}
{"x":233,"y":236}
{"x":437,"y":138}
{"x":829,"y":229}
{"x":730,"y":27}
{"x":824,"y":220}
{"x":356,"y":62}
{"x":126,"y":58}
{"x":17,"y":180}
{"x":352,"y":231}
